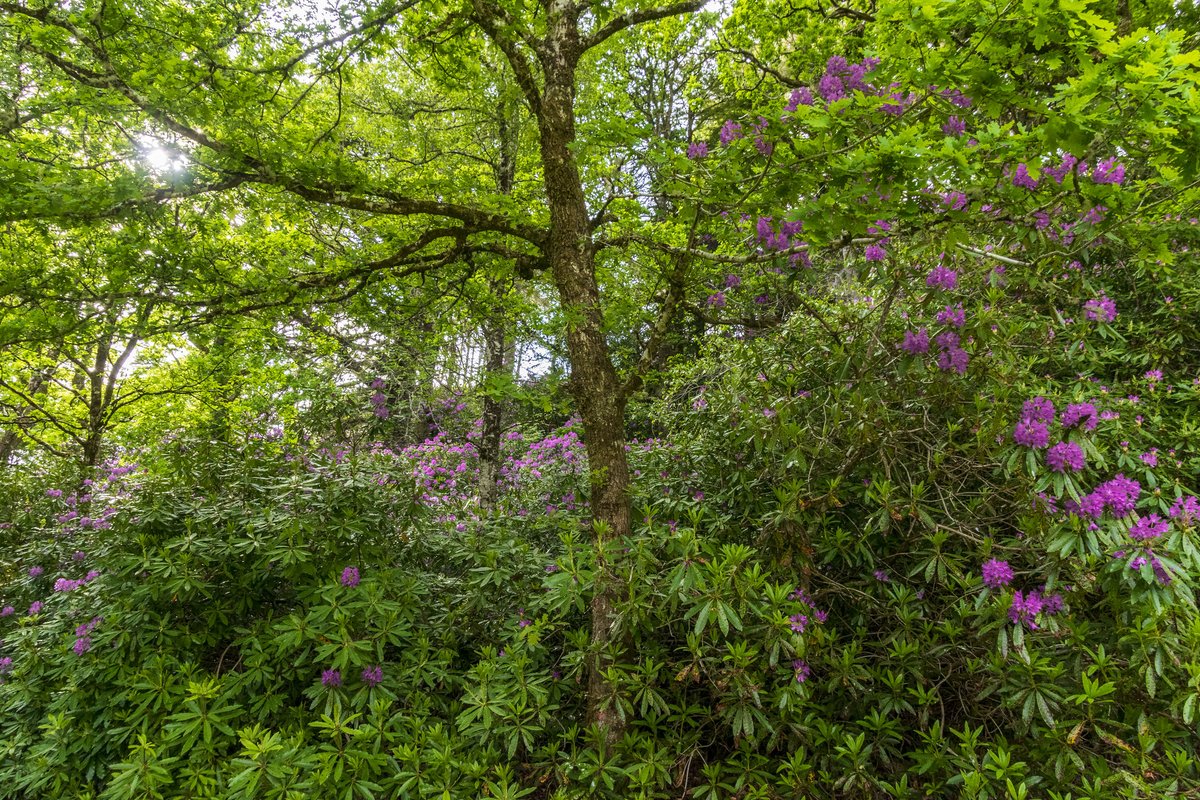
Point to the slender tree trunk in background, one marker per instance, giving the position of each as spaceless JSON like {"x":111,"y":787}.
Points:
{"x":495,"y":339}
{"x":594,"y":381}
{"x":37,"y":385}
{"x":93,"y":439}
{"x":495,"y":349}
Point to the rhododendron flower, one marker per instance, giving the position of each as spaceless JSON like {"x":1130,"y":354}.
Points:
{"x":799,"y":622}
{"x":1149,"y":527}
{"x":1065,"y":456}
{"x":350,"y":576}
{"x":35,"y":571}
{"x":1031,"y":433}
{"x":1109,"y":171}
{"x":331,"y":677}
{"x":1186,"y":510}
{"x":372,"y":676}
{"x":875,"y":252}
{"x":916,"y":343}
{"x":730,"y":131}
{"x":997,"y":574}
{"x":800,"y":97}
{"x":942,"y":278}
{"x":697,"y":150}
{"x":1021,"y":177}
{"x":1076,"y":413}
{"x":1101,"y":309}
{"x":1150,"y":458}
{"x":802,"y":670}
{"x":1039,"y":409}
{"x":717,"y":300}
{"x":954,"y":127}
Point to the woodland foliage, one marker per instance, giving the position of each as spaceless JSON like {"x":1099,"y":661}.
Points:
{"x":600,"y":400}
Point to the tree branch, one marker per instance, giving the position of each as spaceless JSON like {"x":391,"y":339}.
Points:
{"x":631,"y":18}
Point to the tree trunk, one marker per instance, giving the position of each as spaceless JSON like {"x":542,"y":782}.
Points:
{"x":497,"y":347}
{"x":594,"y":382}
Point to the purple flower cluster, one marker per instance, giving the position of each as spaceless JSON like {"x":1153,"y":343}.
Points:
{"x":954,"y":127}
{"x":802,"y":670}
{"x":1027,"y":605}
{"x":730,"y":131}
{"x":1109,"y":171}
{"x":1022,"y":178}
{"x":1101,"y":309}
{"x":379,"y":400}
{"x":951,"y":356}
{"x":842,"y":78}
{"x":83,"y":638}
{"x":1065,"y":456}
{"x":1077,"y":413}
{"x":350,"y":576}
{"x":800,"y":97}
{"x":68,"y":585}
{"x":697,"y":150}
{"x":1039,"y":409}
{"x":1119,"y":495}
{"x":997,"y":574}
{"x":1186,"y":510}
{"x":942,"y":278}
{"x":1030,"y":433}
{"x":373,"y":676}
{"x":331,"y":677}
{"x":1149,"y":527}
{"x":916,"y":343}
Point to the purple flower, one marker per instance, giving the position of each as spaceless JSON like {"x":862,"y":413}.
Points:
{"x":1186,"y":510}
{"x":331,"y":677}
{"x":373,"y":676}
{"x":875,"y":252}
{"x":82,"y":645}
{"x":697,"y":150}
{"x":1150,"y":458}
{"x":954,"y":127}
{"x":55,"y":493}
{"x":800,"y":97}
{"x":7,"y":611}
{"x":1160,"y":572}
{"x":802,"y":670}
{"x":881,"y":576}
{"x":997,"y":574}
{"x":79,"y":555}
{"x":1101,"y":309}
{"x":732,"y":281}
{"x":35,"y":607}
{"x":717,"y":300}
{"x":350,"y":576}
{"x":916,"y":342}
{"x":1025,"y":608}
{"x":5,"y":665}
{"x":1109,"y":171}
{"x":1080,"y":412}
{"x":1065,"y":456}
{"x":730,"y":131}
{"x":1039,"y":409}
{"x":831,"y":88}
{"x":951,"y":356}
{"x":942,"y":278}
{"x":35,"y":571}
{"x":1149,"y":527}
{"x":1119,"y":495}
{"x":1030,"y":433}
{"x":799,"y":622}
{"x":956,"y":316}
{"x":1021,"y":177}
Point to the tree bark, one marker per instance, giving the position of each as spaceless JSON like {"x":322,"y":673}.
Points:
{"x":594,"y":381}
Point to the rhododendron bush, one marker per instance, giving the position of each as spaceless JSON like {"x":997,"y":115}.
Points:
{"x":858,"y":455}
